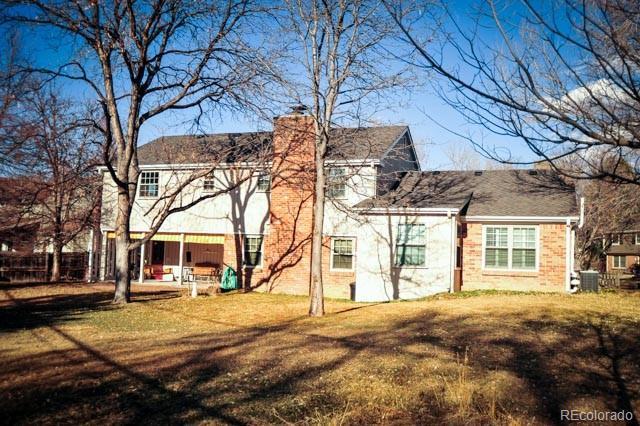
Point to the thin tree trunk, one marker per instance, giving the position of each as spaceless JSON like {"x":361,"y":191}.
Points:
{"x":56,"y":261}
{"x":316,"y":307}
{"x":122,"y":272}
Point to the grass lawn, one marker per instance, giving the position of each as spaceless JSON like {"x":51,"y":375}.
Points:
{"x":67,"y":355}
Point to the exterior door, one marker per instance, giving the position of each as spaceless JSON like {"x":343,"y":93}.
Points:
{"x":157,"y":252}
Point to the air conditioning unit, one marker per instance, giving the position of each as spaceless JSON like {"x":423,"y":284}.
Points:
{"x":589,"y":281}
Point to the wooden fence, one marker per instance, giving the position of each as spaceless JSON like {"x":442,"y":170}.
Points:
{"x":618,"y":280}
{"x":36,"y":267}
{"x":610,"y":280}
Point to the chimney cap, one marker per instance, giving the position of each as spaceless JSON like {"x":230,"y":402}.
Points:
{"x":299,"y":109}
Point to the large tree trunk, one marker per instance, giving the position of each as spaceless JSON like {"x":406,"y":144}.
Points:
{"x":56,"y":261}
{"x":122,"y":271}
{"x":316,"y":307}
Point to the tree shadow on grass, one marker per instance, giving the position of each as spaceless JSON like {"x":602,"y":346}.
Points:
{"x":300,"y":370}
{"x":20,"y":313}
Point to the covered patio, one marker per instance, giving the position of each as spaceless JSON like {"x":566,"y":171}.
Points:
{"x":172,"y":258}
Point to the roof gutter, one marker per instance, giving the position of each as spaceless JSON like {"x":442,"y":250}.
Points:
{"x":407,"y":211}
{"x":245,"y":164}
{"x":537,"y":219}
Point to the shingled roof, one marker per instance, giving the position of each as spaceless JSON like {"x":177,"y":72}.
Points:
{"x":483,"y":193}
{"x":359,"y":143}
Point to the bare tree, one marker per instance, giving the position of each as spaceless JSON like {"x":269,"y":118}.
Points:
{"x":610,"y":208}
{"x":56,"y":155}
{"x":463,"y":157}
{"x":142,"y":60}
{"x":562,"y":77}
{"x":340,"y":49}
{"x":13,"y":87}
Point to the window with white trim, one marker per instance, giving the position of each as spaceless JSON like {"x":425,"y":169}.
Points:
{"x":336,"y":183}
{"x":524,"y":248}
{"x":264,"y":182}
{"x":638,"y":239}
{"x":149,"y":184}
{"x":252,"y":253}
{"x":510,"y":247}
{"x":342,"y":253}
{"x":615,"y":239}
{"x":411,"y":244}
{"x":496,"y":248}
{"x":619,"y":262}
{"x":209,"y":183}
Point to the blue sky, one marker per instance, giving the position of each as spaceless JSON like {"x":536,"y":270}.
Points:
{"x":423,"y":109}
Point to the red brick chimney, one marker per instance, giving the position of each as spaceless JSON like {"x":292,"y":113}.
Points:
{"x":288,"y":244}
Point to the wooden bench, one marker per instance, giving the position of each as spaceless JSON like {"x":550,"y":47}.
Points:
{"x":210,"y":274}
{"x":206,"y":272}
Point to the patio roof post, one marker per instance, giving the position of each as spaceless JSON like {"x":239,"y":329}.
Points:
{"x":141,"y":274}
{"x":181,"y":261}
{"x":103,"y":256}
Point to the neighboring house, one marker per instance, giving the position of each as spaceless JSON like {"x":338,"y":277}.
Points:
{"x":391,"y":231}
{"x":22,"y":227}
{"x":623,"y":250}
{"x":18,"y":231}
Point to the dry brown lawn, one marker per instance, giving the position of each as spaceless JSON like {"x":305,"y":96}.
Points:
{"x":68,"y":356}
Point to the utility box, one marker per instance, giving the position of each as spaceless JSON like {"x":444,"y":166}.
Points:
{"x":589,"y":281}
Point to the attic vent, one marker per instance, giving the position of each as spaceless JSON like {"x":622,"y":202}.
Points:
{"x":437,"y":172}
{"x":533,"y":172}
{"x":478,"y":173}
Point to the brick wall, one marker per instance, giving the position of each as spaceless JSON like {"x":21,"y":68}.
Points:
{"x":549,"y":277}
{"x":288,"y":243}
{"x":336,"y":283}
{"x":232,"y":256}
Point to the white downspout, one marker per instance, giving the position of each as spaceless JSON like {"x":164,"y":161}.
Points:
{"x":581,"y":221}
{"x":452,"y":259}
{"x":568,"y":255}
{"x":90,"y":250}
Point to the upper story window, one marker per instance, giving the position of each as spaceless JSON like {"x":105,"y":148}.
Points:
{"x":149,"y":184}
{"x":209,"y":183}
{"x":638,"y":239}
{"x":264,"y":182}
{"x":616,"y":239}
{"x":411,"y":245}
{"x":336,"y":182}
{"x":510,"y":247}
{"x":342,"y":253}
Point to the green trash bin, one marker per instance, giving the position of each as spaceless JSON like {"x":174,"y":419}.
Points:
{"x":229,"y":279}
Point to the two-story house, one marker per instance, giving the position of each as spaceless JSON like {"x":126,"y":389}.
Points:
{"x":391,"y":231}
{"x":623,"y":249}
